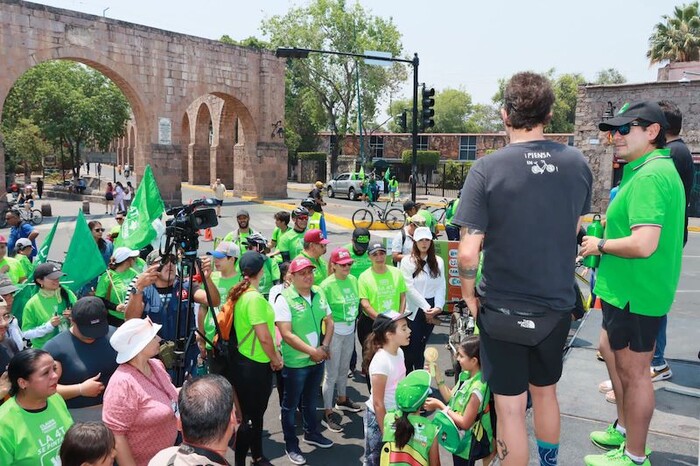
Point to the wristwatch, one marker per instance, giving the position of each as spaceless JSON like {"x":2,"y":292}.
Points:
{"x":601,"y":244}
{"x":135,"y":290}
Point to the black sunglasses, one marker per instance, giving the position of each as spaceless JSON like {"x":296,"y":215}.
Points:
{"x":99,"y":230}
{"x":624,"y":130}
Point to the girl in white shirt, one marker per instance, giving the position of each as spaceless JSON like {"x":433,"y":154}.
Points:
{"x":424,"y":273}
{"x":383,"y":362}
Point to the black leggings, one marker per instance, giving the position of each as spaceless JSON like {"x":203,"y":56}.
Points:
{"x":253,"y":384}
{"x":364,"y":328}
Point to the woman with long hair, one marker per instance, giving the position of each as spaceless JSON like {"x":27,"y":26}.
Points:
{"x":118,"y":198}
{"x":383,"y":362}
{"x":109,"y":197}
{"x":112,"y":285}
{"x":257,"y":355}
{"x":106,"y":248}
{"x":424,"y":273}
{"x":34,"y":420}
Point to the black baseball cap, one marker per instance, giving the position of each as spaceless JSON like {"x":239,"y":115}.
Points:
{"x":408,"y":205}
{"x":647,"y":110}
{"x":48,"y":269}
{"x":360,"y":236}
{"x":375,"y":246}
{"x":251,"y":262}
{"x":383,"y":320}
{"x":89,"y":314}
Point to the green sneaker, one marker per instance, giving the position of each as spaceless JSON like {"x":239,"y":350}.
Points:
{"x":609,"y":439}
{"x":613,"y":458}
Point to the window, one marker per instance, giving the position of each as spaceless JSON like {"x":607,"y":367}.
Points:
{"x":344,"y":176}
{"x":376,"y":146}
{"x":423,"y":142}
{"x":467,"y":148}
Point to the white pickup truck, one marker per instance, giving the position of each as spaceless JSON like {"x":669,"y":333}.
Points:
{"x":342,"y":184}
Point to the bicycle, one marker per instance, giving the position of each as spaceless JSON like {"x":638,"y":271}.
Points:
{"x":392,"y":217}
{"x":462,"y":325}
{"x":26,"y":215}
{"x":439,"y":212}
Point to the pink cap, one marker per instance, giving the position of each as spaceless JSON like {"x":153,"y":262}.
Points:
{"x":341,"y":256}
{"x":315,"y":236}
{"x":4,"y":240}
{"x":300,"y":263}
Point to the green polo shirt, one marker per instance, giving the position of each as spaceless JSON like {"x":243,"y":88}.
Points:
{"x":360,"y":263}
{"x":321,"y":270}
{"x":253,"y":309}
{"x":651,"y":193}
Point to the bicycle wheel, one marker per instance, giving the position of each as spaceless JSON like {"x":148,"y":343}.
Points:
{"x":37,"y":218}
{"x":395,"y":219}
{"x":362,"y":218}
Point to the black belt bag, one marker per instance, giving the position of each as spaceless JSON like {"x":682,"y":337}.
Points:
{"x":526,"y":328}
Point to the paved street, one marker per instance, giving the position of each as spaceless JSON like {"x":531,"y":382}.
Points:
{"x":674,"y":436}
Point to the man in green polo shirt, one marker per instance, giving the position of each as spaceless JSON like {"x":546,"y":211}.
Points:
{"x":292,"y":241}
{"x":638,"y":274}
{"x":314,"y":249}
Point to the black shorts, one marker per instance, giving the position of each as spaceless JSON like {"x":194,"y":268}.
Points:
{"x":219,"y":202}
{"x":626,"y":329}
{"x":509,"y":367}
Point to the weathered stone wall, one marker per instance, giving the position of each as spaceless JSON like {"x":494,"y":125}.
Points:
{"x":592,"y":102}
{"x":161,"y":74}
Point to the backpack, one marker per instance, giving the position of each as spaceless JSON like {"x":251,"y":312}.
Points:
{"x":228,"y":331}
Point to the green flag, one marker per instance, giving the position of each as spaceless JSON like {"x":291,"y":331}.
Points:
{"x":387,"y":174}
{"x":142,"y":223}
{"x":83,"y":259}
{"x":362,"y":173}
{"x":43,"y":253}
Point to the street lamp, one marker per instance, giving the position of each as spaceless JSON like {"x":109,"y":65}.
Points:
{"x":299,"y":53}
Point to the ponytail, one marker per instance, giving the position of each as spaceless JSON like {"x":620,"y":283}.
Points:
{"x":403,"y":430}
{"x":375,"y":341}
{"x":236,"y":292}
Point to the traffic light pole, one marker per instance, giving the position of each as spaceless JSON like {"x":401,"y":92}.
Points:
{"x":414,"y":131}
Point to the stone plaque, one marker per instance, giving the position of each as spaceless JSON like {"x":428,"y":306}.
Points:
{"x":165,"y":130}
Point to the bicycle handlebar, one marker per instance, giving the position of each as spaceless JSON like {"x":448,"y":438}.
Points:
{"x":459,"y":303}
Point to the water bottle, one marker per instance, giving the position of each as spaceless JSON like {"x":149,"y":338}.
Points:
{"x":594,"y":229}
{"x":202,"y":367}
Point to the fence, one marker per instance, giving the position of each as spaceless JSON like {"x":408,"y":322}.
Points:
{"x":446,"y":181}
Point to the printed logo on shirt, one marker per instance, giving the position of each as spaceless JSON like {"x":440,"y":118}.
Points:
{"x":538,"y":163}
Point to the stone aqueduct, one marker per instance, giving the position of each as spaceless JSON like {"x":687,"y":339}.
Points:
{"x":201,"y":109}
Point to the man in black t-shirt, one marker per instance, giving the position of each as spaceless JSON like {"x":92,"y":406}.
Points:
{"x":524,"y":202}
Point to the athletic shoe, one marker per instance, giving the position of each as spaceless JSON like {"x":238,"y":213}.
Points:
{"x":332,"y":422}
{"x":295,"y":456}
{"x":605,"y":386}
{"x":659,"y":373}
{"x":609,"y":439}
{"x":613,"y":458}
{"x":348,"y":405}
{"x":599,"y":356}
{"x":350,"y":373}
{"x":610,"y":397}
{"x":318,"y":440}
{"x":262,"y":461}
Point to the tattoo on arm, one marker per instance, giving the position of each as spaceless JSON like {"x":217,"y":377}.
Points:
{"x":502,"y":449}
{"x":468,"y":273}
{"x":474,"y":231}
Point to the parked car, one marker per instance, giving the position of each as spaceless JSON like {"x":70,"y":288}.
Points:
{"x":342,"y":184}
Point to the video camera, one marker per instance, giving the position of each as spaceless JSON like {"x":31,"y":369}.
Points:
{"x":188,"y":219}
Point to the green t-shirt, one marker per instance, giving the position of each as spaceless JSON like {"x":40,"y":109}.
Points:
{"x":417,"y":449}
{"x":223,"y":285}
{"x":461,"y":393}
{"x":117,"y":288}
{"x":238,"y":237}
{"x":39,"y":310}
{"x":383,"y":291}
{"x":26,"y":264}
{"x":321,"y":270}
{"x":307,"y":323}
{"x":271,"y":274}
{"x":253,"y":309}
{"x":139,"y":265}
{"x":430,"y":221}
{"x":360,"y":263}
{"x":14,"y":269}
{"x":343,"y":298}
{"x":277,"y":233}
{"x":450,"y":211}
{"x":651,"y":193}
{"x":33,"y":439}
{"x":292,"y":242}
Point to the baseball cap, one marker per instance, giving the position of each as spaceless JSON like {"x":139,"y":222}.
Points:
{"x":6,"y":285}
{"x":251,"y":262}
{"x":122,"y":253}
{"x":319,"y":184}
{"x":383,"y":320}
{"x":242,"y":213}
{"x":315,"y":236}
{"x":132,"y":337}
{"x":374,"y":247}
{"x":361,"y":236}
{"x":646,"y":110}
{"x":300,"y":263}
{"x":48,"y":270}
{"x":412,"y":391}
{"x":408,"y":205}
{"x":3,"y":239}
{"x":341,"y":256}
{"x":226,"y":249}
{"x":90,"y":315}
{"x":422,"y":233}
{"x":154,"y":256}
{"x":22,"y":243}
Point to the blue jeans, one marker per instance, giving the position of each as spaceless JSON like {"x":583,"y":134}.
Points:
{"x":300,"y":384}
{"x":660,"y":349}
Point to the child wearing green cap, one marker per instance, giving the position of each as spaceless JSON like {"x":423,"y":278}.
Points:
{"x":409,"y":438}
{"x":467,"y":403}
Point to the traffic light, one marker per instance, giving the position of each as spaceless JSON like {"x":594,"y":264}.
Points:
{"x":427,"y":113}
{"x":403,"y":124}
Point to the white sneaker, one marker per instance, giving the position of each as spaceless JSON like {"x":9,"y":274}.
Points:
{"x":605,"y":386}
{"x":659,"y":373}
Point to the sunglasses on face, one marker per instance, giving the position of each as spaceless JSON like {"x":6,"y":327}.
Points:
{"x":99,"y":230}
{"x":120,"y":219}
{"x":624,"y":130}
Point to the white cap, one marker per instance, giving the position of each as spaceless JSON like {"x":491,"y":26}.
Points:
{"x":22,"y":243}
{"x":121,"y":254}
{"x":132,"y":337}
{"x":422,"y":233}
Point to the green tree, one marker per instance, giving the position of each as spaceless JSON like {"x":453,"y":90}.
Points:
{"x":677,"y":37}
{"x":25,"y":146}
{"x":73,"y":105}
{"x":610,"y":76}
{"x":395,"y":109}
{"x":333,"y":25}
{"x":251,"y":42}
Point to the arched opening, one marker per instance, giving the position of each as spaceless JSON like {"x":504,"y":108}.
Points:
{"x":132,"y":146}
{"x":185,"y":138}
{"x":42,"y":102}
{"x":199,"y":162}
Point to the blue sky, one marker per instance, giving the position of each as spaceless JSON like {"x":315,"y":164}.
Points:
{"x":461,"y":43}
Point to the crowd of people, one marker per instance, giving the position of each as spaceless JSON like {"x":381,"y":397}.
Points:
{"x":156,"y":362}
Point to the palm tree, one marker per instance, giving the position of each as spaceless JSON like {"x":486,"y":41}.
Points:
{"x":677,"y":38}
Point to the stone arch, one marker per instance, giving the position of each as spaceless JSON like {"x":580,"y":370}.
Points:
{"x":185,"y":140}
{"x":199,"y":150}
{"x":132,"y":146}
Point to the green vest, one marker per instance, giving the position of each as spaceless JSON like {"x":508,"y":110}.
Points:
{"x":315,"y":221}
{"x":307,"y":323}
{"x":450,"y":211}
{"x":418,"y":448}
{"x":460,"y":398}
